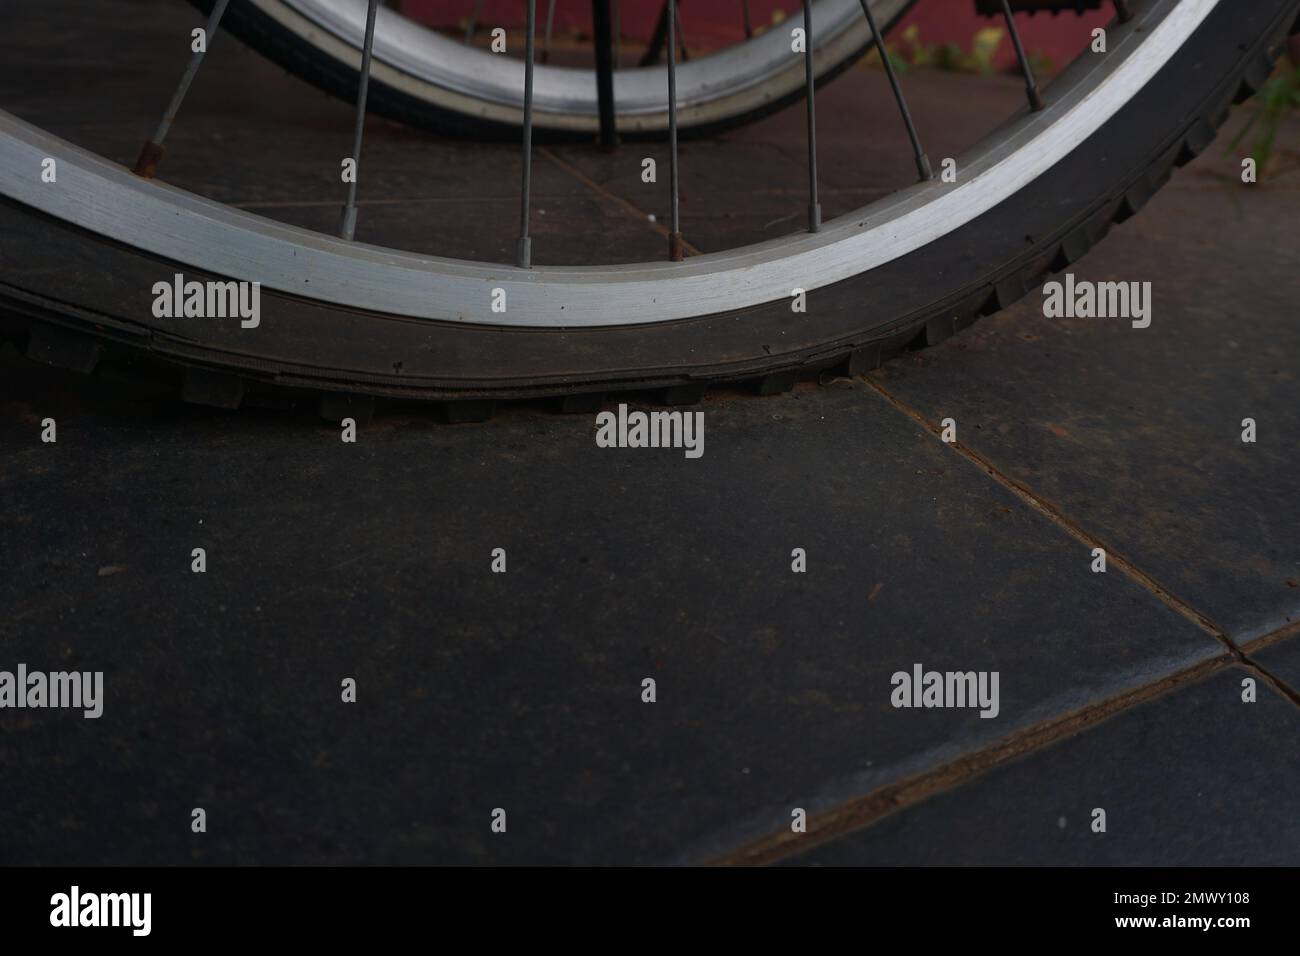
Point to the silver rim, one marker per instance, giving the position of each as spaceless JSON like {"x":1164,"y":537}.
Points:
{"x":109,"y":201}
{"x":451,"y":75}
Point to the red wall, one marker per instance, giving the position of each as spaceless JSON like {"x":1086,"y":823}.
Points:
{"x":712,"y":22}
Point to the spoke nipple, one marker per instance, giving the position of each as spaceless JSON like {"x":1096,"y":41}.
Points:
{"x":1122,"y":11}
{"x":676,"y":250}
{"x":815,"y":217}
{"x":348,"y":225}
{"x":1035,"y":99}
{"x":146,"y":165}
{"x":923,"y":167}
{"x":524,"y":252}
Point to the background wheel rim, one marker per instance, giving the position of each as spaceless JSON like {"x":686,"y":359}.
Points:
{"x":452,"y":75}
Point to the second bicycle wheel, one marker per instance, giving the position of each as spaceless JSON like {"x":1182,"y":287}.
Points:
{"x":425,"y":78}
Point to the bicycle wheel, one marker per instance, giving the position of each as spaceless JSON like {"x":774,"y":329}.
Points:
{"x":427,"y":79}
{"x":340,"y":317}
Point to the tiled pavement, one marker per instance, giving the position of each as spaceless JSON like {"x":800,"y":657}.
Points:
{"x":1121,"y":691}
{"x":1180,"y":781}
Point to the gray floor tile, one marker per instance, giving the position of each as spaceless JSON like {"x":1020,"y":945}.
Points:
{"x":1282,"y":660}
{"x":1195,"y":778}
{"x":519,"y":690}
{"x":1135,"y":434}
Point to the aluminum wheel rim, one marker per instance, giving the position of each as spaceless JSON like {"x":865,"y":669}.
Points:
{"x":106,"y":199}
{"x":711,"y":88}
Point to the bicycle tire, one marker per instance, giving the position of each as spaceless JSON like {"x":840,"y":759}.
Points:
{"x":77,"y":318}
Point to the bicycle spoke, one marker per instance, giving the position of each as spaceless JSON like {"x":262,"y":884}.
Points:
{"x":675,"y":252}
{"x":550,"y":25}
{"x":681,"y":34}
{"x":656,"y":44}
{"x":744,"y":19}
{"x":525,"y":247}
{"x":1031,"y":87}
{"x":601,"y":31}
{"x":349,"y":225}
{"x":473,"y":20}
{"x":922,"y":161}
{"x":151,"y":154}
{"x":814,"y":207}
{"x":618,"y":38}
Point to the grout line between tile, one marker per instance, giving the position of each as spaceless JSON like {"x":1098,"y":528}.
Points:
{"x":1113,"y":558}
{"x":870,"y":808}
{"x":1054,"y":514}
{"x":628,"y":207}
